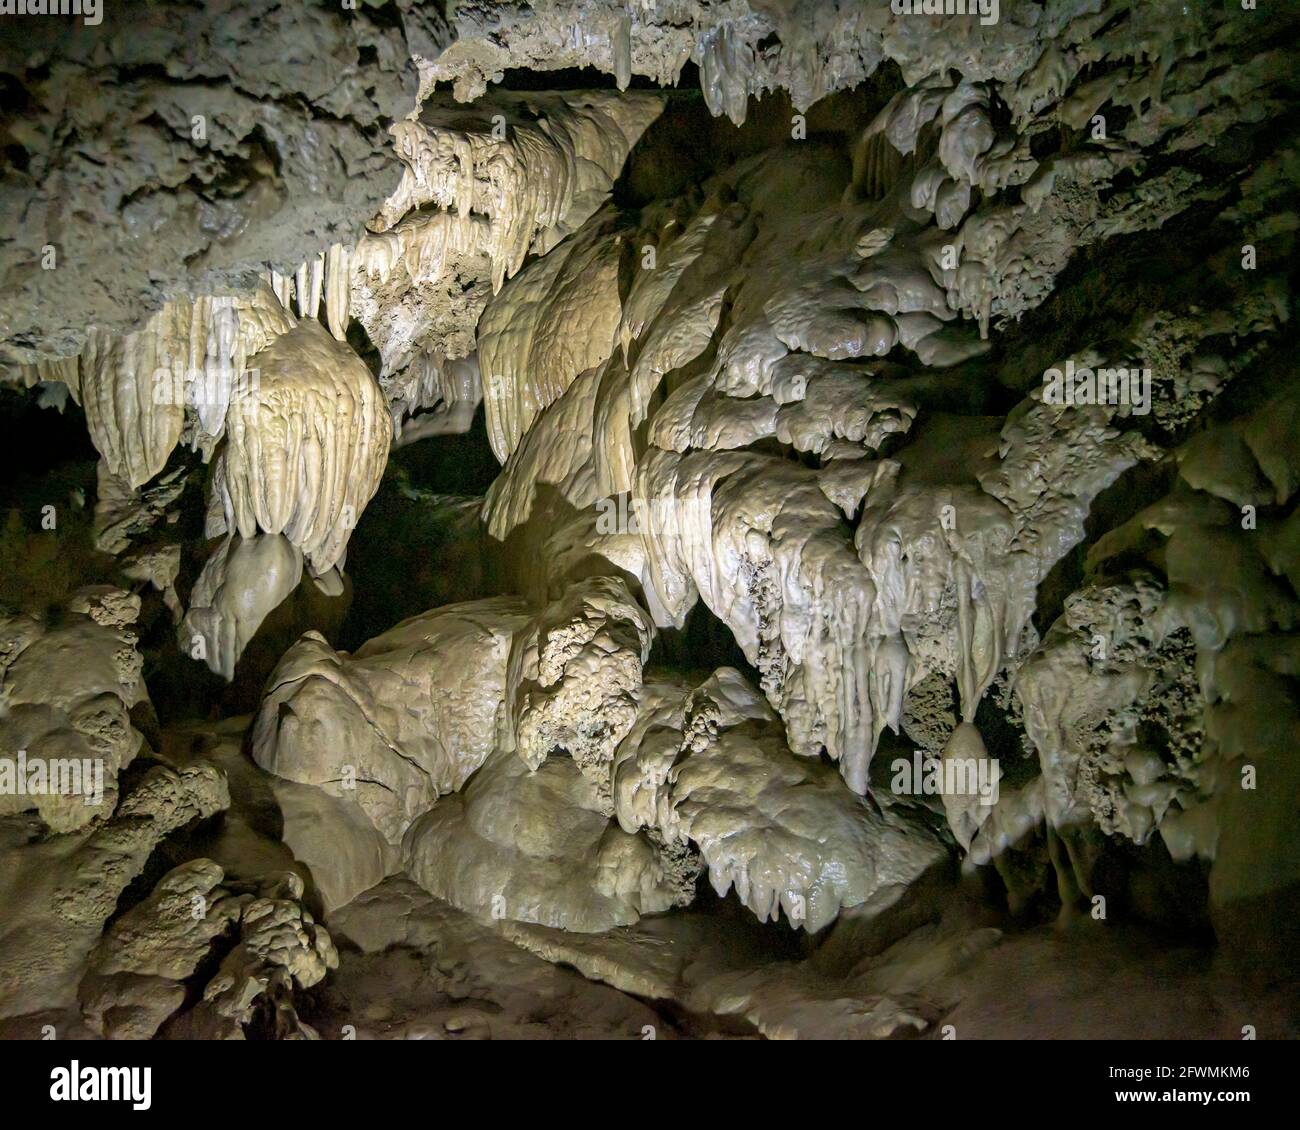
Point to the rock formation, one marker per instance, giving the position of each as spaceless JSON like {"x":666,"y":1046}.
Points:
{"x":758,"y":517}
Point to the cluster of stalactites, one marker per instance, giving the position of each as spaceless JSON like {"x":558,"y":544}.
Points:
{"x":524,"y":179}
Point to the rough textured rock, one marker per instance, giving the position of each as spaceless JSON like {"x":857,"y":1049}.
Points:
{"x":712,"y":769}
{"x":536,"y":846}
{"x":136,"y":974}
{"x":66,"y":694}
{"x":289,"y":156}
{"x":573,"y":675}
{"x":62,"y":890}
{"x":279,"y":947}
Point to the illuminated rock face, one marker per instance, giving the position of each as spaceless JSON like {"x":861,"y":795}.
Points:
{"x":891,"y":476}
{"x":307,"y":446}
{"x":406,"y":719}
{"x":67,"y":696}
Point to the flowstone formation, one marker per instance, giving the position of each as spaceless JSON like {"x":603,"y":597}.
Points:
{"x":715,"y":517}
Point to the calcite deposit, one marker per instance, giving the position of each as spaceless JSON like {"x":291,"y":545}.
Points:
{"x":766,"y":518}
